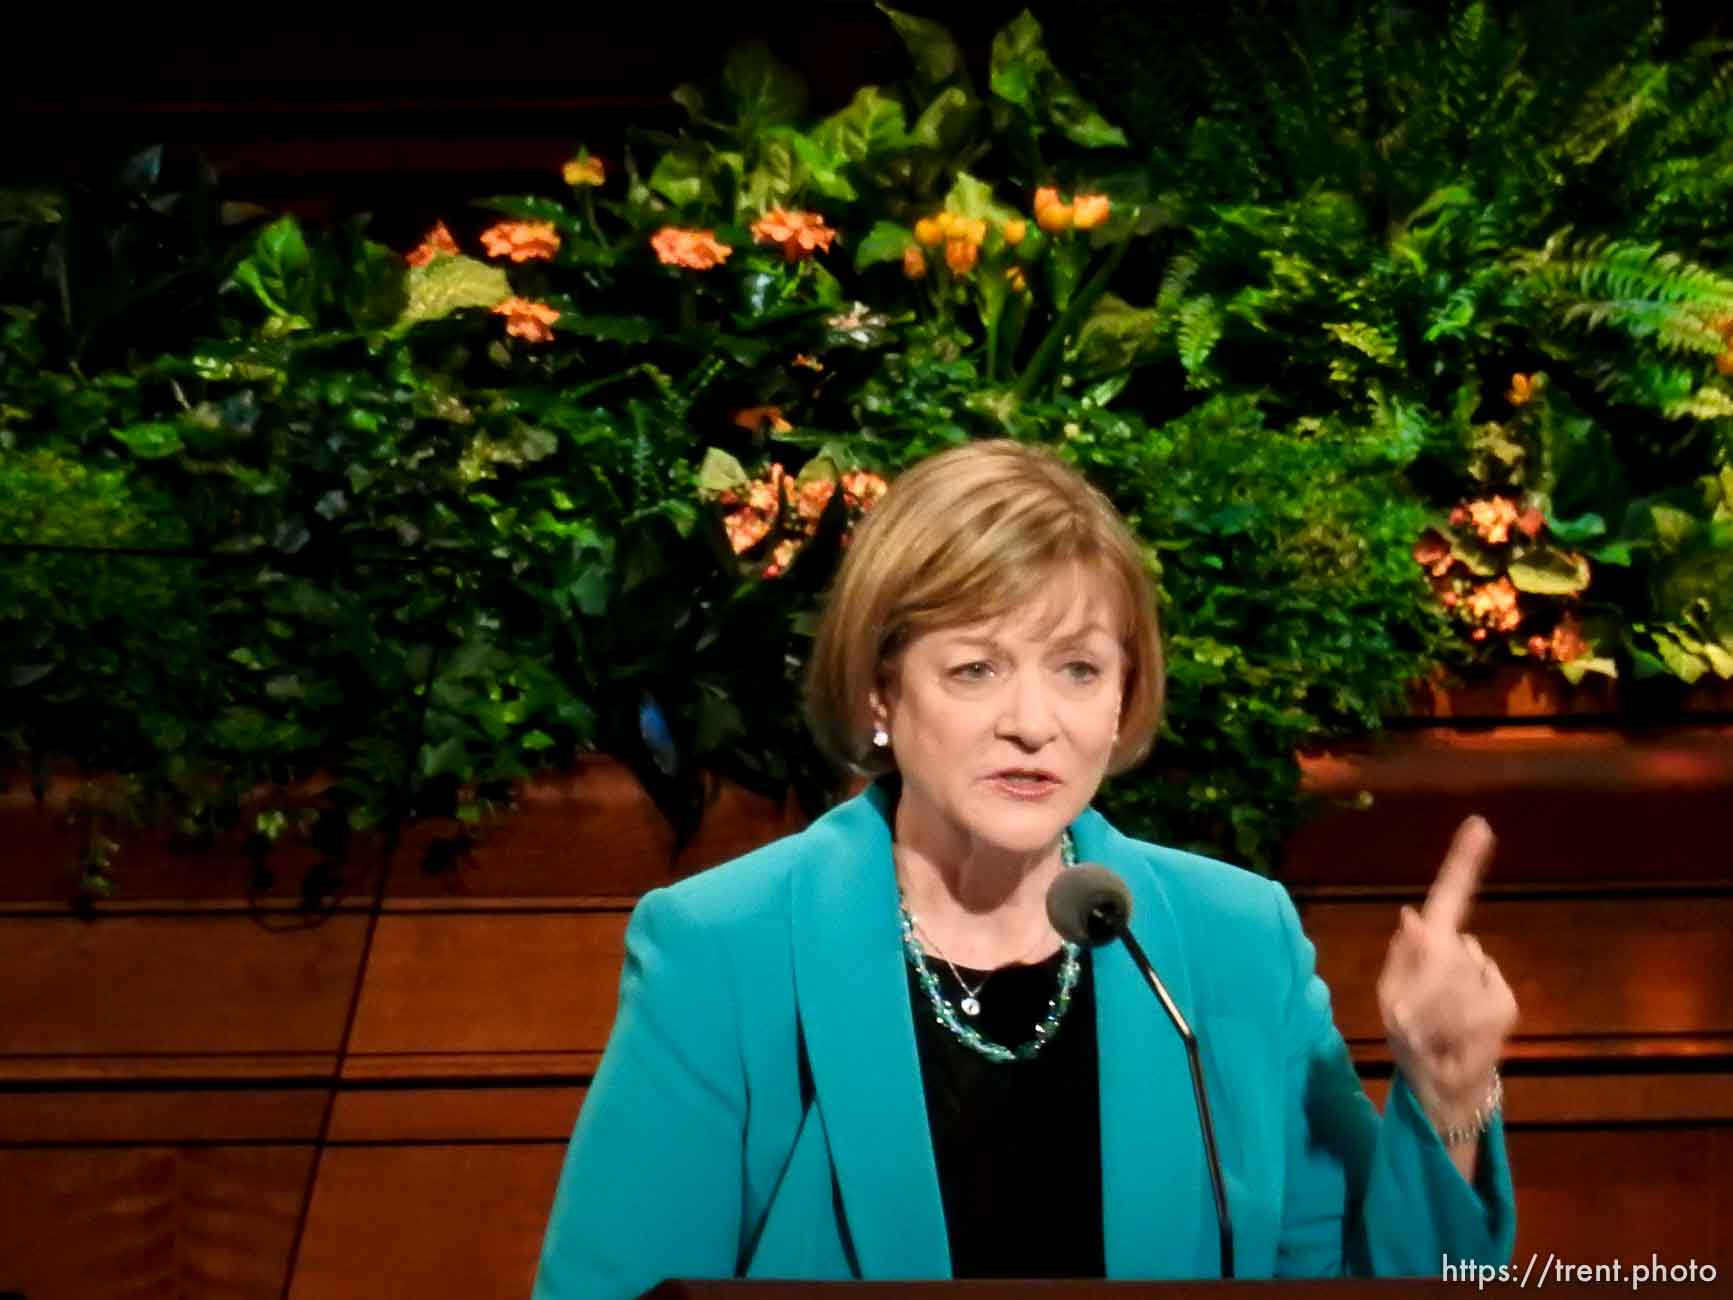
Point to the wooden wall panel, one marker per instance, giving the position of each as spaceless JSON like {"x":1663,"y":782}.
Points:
{"x":590,"y":833}
{"x":149,"y":1223}
{"x":1569,"y":805}
{"x":154,"y":984}
{"x":460,"y":1221}
{"x":490,"y":982}
{"x":1579,"y":966}
{"x":1592,"y":1195}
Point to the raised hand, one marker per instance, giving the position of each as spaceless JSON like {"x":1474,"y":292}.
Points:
{"x":1446,"y":1008}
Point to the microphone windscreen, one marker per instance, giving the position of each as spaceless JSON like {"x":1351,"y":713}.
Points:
{"x":1089,"y":904}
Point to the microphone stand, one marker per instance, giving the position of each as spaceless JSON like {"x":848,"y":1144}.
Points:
{"x":1204,"y":1121}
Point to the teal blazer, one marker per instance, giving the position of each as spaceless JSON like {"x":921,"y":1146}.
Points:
{"x":759,"y":1110}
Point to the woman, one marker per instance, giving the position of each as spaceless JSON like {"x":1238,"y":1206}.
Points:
{"x":863,"y":1051}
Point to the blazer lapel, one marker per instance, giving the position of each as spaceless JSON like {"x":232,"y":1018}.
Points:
{"x":860,"y":1037}
{"x":1154,"y":1181}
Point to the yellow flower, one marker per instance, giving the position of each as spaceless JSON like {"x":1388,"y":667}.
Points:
{"x":585,"y":169}
{"x":522,"y":241}
{"x":928,"y":231}
{"x":1522,"y":388}
{"x":1017,"y":280}
{"x":438,"y":243}
{"x":1090,"y":210}
{"x":697,"y":250}
{"x":528,"y":320}
{"x":1013,"y":231}
{"x":800,"y":233}
{"x":961,"y":255}
{"x":914,"y":262}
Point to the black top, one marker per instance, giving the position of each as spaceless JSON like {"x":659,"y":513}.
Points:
{"x":1018,"y":1143}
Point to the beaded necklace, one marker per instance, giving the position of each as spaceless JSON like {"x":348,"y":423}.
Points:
{"x":946,"y":1014}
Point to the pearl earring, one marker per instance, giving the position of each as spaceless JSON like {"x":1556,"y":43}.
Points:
{"x":881,"y":737}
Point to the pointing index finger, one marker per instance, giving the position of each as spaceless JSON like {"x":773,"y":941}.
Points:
{"x":1452,"y":892}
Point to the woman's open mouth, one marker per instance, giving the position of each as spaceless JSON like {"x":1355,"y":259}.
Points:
{"x":1024,"y":782}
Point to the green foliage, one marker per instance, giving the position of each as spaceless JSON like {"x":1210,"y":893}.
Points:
{"x":1363,"y":268}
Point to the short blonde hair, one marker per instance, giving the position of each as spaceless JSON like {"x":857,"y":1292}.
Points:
{"x":960,"y":538}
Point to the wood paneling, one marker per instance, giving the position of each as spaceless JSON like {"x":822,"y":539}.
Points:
{"x":423,"y":1221}
{"x":590,"y":833}
{"x":162,"y":1114}
{"x":490,"y":982}
{"x":1592,"y":1195}
{"x":472,"y":1113}
{"x":1574,"y":806}
{"x":150,"y":1223}
{"x":176,"y":984}
{"x":1579,"y":966}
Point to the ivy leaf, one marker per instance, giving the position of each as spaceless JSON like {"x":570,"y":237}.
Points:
{"x":152,"y":440}
{"x":931,"y":49}
{"x":279,"y":271}
{"x":944,"y":123}
{"x":448,"y":284}
{"x":680,"y":176}
{"x":885,"y":242}
{"x":870,"y":125}
{"x":762,"y":90}
{"x":1024,"y":75}
{"x":772,"y":180}
{"x":823,"y":169}
{"x":1546,"y":572}
{"x":721,"y":473}
{"x":531,"y":208}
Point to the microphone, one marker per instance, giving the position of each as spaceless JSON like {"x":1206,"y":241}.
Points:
{"x":1090,"y":905}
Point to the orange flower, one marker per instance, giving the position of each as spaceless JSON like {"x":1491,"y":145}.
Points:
{"x":1567,"y":640}
{"x":862,"y":490}
{"x":812,"y":496}
{"x":1493,"y":518}
{"x":1090,"y":210}
{"x":1538,"y":646}
{"x":1724,"y":363}
{"x":1522,"y":389}
{"x":914,"y":262}
{"x":782,"y":557}
{"x":1530,"y":522}
{"x":1054,"y":218}
{"x":809,"y":363}
{"x":961,"y":255}
{"x":801,"y":234}
{"x":745,"y":529}
{"x":929,"y":231}
{"x":1046,"y":196}
{"x":1014,"y":231}
{"x":585,"y":169}
{"x":522,"y":241}
{"x":766,"y":495}
{"x":754,"y":418}
{"x":1432,"y":553}
{"x":696,"y":250}
{"x":438,"y":243}
{"x":1496,"y":603}
{"x":528,"y":320}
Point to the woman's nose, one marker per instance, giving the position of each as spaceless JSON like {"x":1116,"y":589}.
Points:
{"x":1027,"y":714}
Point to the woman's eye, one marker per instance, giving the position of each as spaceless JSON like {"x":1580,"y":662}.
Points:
{"x":978,"y":671}
{"x":1081,"y":670}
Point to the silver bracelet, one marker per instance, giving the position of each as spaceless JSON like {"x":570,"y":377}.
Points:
{"x":1458,"y":1134}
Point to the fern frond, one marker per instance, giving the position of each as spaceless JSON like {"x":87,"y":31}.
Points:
{"x":1201,"y":321}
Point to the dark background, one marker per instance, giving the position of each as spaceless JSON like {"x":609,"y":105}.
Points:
{"x":407,"y":113}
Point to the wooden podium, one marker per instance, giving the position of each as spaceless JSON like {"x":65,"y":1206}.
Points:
{"x":1030,"y":1289}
